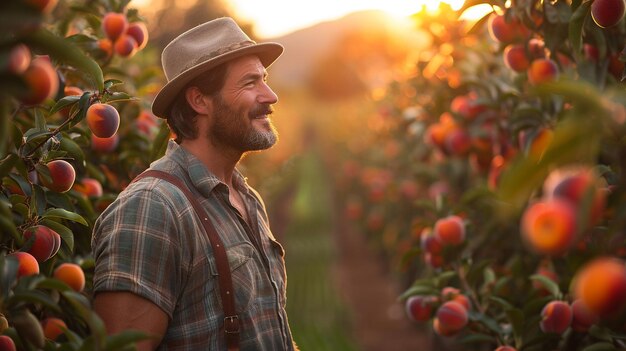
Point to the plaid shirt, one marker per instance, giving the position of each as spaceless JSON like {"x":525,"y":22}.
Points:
{"x":150,"y":242}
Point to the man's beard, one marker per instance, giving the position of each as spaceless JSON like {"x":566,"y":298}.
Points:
{"x":234,"y":128}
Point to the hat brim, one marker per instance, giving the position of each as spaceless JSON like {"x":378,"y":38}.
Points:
{"x":267,"y":53}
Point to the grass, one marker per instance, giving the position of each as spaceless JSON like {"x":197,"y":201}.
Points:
{"x":317,"y":316}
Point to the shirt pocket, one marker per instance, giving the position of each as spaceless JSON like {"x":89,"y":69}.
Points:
{"x":242,"y":270}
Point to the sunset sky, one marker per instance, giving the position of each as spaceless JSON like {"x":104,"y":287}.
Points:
{"x":276,"y":17}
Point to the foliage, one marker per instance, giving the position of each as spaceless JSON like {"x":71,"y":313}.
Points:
{"x":470,"y":136}
{"x":88,"y":68}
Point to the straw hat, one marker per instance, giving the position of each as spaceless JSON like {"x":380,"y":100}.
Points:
{"x":202,"y":48}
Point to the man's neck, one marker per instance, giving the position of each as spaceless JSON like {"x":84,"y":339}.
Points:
{"x":219,"y":161}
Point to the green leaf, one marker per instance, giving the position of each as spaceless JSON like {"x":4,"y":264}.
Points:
{"x":67,"y":236}
{"x":6,"y":164}
{"x":516,"y":317}
{"x":52,"y":284}
{"x":8,"y":273}
{"x":66,"y":52}
{"x":160,"y":142}
{"x":64,"y":102}
{"x":118,"y":96}
{"x":502,"y":302}
{"x":471,"y":3}
{"x":111,"y":83}
{"x":600,"y":333}
{"x":547,"y":283}
{"x":485,"y":320}
{"x":82,"y":307}
{"x":74,"y":150}
{"x":474,"y":338}
{"x":65,"y":214}
{"x":576,"y":26}
{"x":40,"y":121}
{"x":419,"y":290}
{"x":33,"y":296}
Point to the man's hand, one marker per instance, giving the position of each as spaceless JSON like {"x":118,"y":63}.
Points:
{"x":122,"y":311}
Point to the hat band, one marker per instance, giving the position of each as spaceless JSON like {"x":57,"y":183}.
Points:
{"x":218,"y":52}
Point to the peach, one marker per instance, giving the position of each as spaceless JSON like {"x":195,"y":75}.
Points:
{"x":114,"y":25}
{"x":89,"y":187}
{"x":139,"y":32}
{"x":515,"y":58}
{"x":549,"y":226}
{"x":4,"y":324}
{"x":591,"y":52}
{"x":106,"y":45}
{"x":506,"y":31}
{"x":17,"y":61}
{"x":27,"y":264}
{"x":458,"y":142}
{"x":581,"y":187}
{"x":542,"y":70}
{"x":450,"y":230}
{"x":62,"y":176}
{"x":53,"y":327}
{"x":495,"y":170}
{"x":434,"y":260}
{"x":41,"y":242}
{"x":607,"y":13}
{"x":104,"y":144}
{"x":6,"y":343}
{"x":72,"y":275}
{"x":556,"y":317}
{"x":506,"y":348}
{"x":536,"y":48}
{"x":546,"y":270}
{"x":42,"y":81}
{"x":583,"y":317}
{"x":467,"y":106}
{"x":103,"y":120}
{"x":453,"y":294}
{"x":125,"y":46}
{"x":601,"y":285}
{"x":451,"y":318}
{"x":430,"y":243}
{"x":420,"y":308}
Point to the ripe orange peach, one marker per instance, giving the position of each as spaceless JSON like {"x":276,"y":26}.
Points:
{"x":616,"y":67}
{"x":62,"y":176}
{"x":6,"y":343}
{"x":125,"y":46}
{"x":458,"y":142}
{"x":42,"y":81}
{"x":451,"y":318}
{"x":53,"y":327}
{"x":434,"y":260}
{"x":420,"y":308}
{"x":28,"y":264}
{"x":18,"y":60}
{"x":607,"y":13}
{"x":139,"y":32}
{"x":495,"y":170}
{"x":41,"y":242}
{"x":114,"y":25}
{"x":506,"y":31}
{"x":104,"y":144}
{"x":583,"y":317}
{"x":542,"y":70}
{"x":467,"y":106}
{"x":556,"y":317}
{"x":72,"y":275}
{"x":601,"y":285}
{"x":106,"y":45}
{"x":453,"y":294}
{"x":450,"y":230}
{"x":581,"y":187}
{"x":430,"y":243}
{"x":103,"y":120}
{"x":89,"y":187}
{"x":591,"y":52}
{"x":515,"y":58}
{"x":549,"y":226}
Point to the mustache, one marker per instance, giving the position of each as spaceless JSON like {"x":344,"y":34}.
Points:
{"x":262,"y":109}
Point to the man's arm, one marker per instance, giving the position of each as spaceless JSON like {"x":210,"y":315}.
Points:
{"x":123,"y":310}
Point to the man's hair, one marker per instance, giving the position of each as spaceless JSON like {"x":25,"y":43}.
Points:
{"x":182,"y":117}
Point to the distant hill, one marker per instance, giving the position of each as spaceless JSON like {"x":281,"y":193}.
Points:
{"x":306,"y":48}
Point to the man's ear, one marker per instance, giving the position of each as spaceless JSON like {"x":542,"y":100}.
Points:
{"x":198,"y":101}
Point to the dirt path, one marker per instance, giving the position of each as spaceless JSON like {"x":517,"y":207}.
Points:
{"x":378,"y":318}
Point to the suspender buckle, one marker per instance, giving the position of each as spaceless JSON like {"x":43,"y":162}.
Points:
{"x":231,"y":324}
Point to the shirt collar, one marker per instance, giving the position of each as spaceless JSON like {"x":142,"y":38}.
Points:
{"x":199,"y":176}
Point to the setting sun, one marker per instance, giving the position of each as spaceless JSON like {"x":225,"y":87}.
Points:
{"x":277,"y":17}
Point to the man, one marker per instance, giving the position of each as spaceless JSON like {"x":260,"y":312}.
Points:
{"x":155,"y":268}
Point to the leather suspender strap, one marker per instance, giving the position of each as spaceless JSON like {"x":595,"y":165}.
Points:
{"x":227,"y":293}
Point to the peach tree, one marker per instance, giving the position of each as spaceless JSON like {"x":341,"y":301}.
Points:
{"x":73,"y":130}
{"x":495,"y":177}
